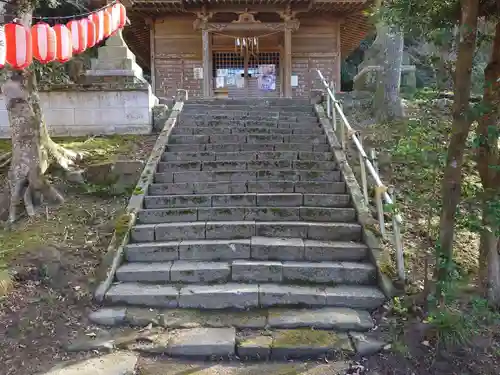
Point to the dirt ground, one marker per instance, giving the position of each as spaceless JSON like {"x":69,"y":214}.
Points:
{"x":54,"y":257}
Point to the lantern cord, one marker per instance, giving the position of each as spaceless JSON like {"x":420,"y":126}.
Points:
{"x":64,"y":17}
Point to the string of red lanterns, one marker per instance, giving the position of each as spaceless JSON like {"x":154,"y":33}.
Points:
{"x":19,"y":44}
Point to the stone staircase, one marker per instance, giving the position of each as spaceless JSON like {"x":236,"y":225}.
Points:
{"x":248,"y":214}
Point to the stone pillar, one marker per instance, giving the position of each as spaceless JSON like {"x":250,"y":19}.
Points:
{"x":207,"y":73}
{"x":115,"y":61}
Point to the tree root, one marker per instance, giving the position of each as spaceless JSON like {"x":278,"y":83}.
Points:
{"x":60,"y":156}
{"x":29,"y":190}
{"x":5,"y":160}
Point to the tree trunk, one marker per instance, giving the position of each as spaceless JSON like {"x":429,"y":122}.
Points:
{"x":444,"y":56}
{"x":387,"y":101}
{"x":26,"y":180}
{"x":31,"y":144}
{"x":488,"y":159}
{"x":452,"y":179}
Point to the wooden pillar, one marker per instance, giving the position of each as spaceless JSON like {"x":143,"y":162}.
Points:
{"x":152,"y":44}
{"x":291,"y":24}
{"x":338,"y":59}
{"x":207,"y":74}
{"x":287,"y":63}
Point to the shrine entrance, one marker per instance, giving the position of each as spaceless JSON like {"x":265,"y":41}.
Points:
{"x":246,"y":74}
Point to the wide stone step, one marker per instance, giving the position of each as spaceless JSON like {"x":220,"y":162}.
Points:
{"x":247,"y":156}
{"x":249,"y":271}
{"x":228,"y":230}
{"x":234,"y":147}
{"x":249,"y":175}
{"x":242,"y":123}
{"x":301,"y":213}
{"x":228,"y":187}
{"x":247,"y":200}
{"x":327,"y":318}
{"x":249,"y":102}
{"x":244,"y":296}
{"x":256,"y":113}
{"x":196,"y":345}
{"x":257,"y":248}
{"x":253,"y":138}
{"x":247,"y":130}
{"x":252,"y":165}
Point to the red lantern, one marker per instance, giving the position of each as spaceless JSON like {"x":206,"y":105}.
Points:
{"x":89,"y":26}
{"x":108,"y":23}
{"x":3,"y":47}
{"x":98,"y":18}
{"x":44,"y":41}
{"x":19,"y":50}
{"x":64,"y":50}
{"x":78,"y":36}
{"x":119,"y":16}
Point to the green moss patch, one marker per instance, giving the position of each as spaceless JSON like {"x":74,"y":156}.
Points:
{"x":294,"y":338}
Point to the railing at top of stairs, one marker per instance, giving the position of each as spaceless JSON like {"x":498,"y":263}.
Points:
{"x":383,"y":193}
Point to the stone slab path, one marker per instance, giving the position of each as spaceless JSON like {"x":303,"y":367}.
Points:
{"x":128,"y":363}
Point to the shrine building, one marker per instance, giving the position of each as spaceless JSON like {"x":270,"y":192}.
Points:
{"x":243,"y":48}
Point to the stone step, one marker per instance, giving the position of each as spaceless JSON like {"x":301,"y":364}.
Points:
{"x":253,"y":138}
{"x":249,"y":271}
{"x":262,"y":113}
{"x":235,"y":147}
{"x":247,"y":200}
{"x":247,"y":156}
{"x":228,"y":187}
{"x":220,"y":129}
{"x":247,"y":175}
{"x":229,"y":230}
{"x":244,"y":296}
{"x":250,"y":103}
{"x":340,"y":319}
{"x":256,"y":248}
{"x":252,"y":165}
{"x":301,"y":213}
{"x":242,"y":123}
{"x":271,"y":110}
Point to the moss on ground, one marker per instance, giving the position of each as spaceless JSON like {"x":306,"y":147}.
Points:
{"x":98,"y":149}
{"x":304,"y":337}
{"x":74,"y":221}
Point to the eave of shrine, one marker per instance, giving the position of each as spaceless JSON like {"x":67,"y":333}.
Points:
{"x":354,"y":23}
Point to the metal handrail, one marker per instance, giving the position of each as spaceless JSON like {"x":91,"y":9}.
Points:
{"x":381,"y":190}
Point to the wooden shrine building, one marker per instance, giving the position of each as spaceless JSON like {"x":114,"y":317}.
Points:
{"x":243,"y":48}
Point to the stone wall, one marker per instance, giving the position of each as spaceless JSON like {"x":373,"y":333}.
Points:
{"x":97,"y":109}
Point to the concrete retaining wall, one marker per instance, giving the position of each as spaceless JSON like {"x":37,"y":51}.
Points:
{"x":79,"y":110}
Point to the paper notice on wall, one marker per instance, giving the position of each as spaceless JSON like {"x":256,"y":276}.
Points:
{"x":267,"y":77}
{"x":230,"y":81}
{"x":295,"y":81}
{"x":219,"y":82}
{"x":222,"y":72}
{"x":240,"y":82}
{"x":198,"y":73}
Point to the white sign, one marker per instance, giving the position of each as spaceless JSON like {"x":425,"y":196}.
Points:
{"x":198,"y":73}
{"x":295,"y":81}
